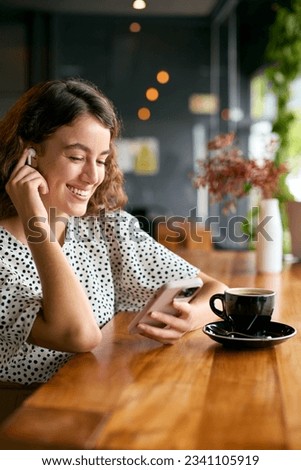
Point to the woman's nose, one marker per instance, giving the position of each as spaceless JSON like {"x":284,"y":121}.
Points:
{"x":90,"y":173}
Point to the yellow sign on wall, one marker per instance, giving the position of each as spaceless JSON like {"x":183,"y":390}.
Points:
{"x":139,"y":155}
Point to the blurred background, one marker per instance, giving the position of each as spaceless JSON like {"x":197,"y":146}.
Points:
{"x":179,"y":72}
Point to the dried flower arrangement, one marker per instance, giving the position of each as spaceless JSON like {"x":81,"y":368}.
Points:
{"x":229,"y":175}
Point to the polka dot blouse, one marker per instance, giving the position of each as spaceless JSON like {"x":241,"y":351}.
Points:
{"x":118,"y":264}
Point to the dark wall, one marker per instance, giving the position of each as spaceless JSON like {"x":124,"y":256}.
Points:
{"x":254,"y":21}
{"x":13,"y":58}
{"x":124,"y":65}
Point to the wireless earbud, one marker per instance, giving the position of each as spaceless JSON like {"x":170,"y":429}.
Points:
{"x":31,"y":155}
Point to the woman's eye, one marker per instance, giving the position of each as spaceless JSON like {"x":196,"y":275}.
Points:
{"x":79,"y":159}
{"x":76,"y":159}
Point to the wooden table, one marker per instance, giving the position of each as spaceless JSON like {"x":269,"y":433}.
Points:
{"x":133,"y":393}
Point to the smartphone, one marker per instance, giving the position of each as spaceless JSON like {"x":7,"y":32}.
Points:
{"x":183,"y":290}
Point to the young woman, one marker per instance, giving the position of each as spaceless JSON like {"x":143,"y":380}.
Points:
{"x":70,"y":257}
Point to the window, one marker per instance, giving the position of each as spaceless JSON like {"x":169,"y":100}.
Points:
{"x":263,"y":111}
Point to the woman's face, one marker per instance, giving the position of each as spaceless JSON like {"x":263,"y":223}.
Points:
{"x":72,"y":160}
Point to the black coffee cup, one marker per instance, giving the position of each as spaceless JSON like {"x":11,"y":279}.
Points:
{"x":245,"y":308}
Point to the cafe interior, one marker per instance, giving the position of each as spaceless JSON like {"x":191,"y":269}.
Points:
{"x":181,"y":74}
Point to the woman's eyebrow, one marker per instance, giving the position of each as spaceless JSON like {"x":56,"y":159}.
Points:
{"x":83,"y":147}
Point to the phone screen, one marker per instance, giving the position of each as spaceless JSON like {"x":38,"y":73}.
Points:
{"x":184,"y":293}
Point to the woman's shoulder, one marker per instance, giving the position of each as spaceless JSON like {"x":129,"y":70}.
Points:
{"x":107,"y":226}
{"x":11,"y":229}
{"x":120,"y":219}
{"x":115,"y":214}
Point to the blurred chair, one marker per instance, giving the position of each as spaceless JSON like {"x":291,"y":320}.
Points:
{"x":176,"y":234}
{"x":294,"y":221}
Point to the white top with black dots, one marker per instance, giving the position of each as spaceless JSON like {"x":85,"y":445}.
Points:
{"x":118,"y":264}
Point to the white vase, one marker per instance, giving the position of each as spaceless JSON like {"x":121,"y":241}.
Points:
{"x":269,"y":239}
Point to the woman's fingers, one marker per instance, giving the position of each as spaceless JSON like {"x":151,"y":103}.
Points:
{"x":176,"y":326}
{"x":21,"y":162}
{"x":25,"y":173}
{"x":163,"y":335}
{"x":25,"y":187}
{"x":171,"y":321}
{"x":27,"y":178}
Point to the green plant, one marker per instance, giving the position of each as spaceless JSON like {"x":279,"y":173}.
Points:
{"x":284,"y":55}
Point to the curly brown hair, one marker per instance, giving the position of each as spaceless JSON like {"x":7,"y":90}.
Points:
{"x":39,"y":113}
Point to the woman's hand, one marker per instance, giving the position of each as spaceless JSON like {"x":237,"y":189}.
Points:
{"x":190,"y":315}
{"x":24,"y":188}
{"x":176,"y":326}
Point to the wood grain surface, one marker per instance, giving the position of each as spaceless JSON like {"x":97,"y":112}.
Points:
{"x":134,"y":393}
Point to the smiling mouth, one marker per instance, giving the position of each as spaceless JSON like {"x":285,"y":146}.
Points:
{"x":79,"y":192}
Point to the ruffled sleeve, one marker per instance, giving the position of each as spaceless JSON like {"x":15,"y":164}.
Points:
{"x":19,"y":306}
{"x":140,"y":265}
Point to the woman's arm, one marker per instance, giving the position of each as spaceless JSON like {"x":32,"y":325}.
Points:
{"x":66,"y":320}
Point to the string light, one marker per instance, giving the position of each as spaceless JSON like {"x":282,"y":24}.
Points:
{"x":139,"y":4}
{"x":163,"y":76}
{"x":135,"y":27}
{"x":152,"y":94}
{"x":144,"y":114}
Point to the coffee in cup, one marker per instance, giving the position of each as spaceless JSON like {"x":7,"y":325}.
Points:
{"x":245,"y":308}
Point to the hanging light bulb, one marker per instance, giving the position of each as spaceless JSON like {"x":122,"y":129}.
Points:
{"x":139,"y":4}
